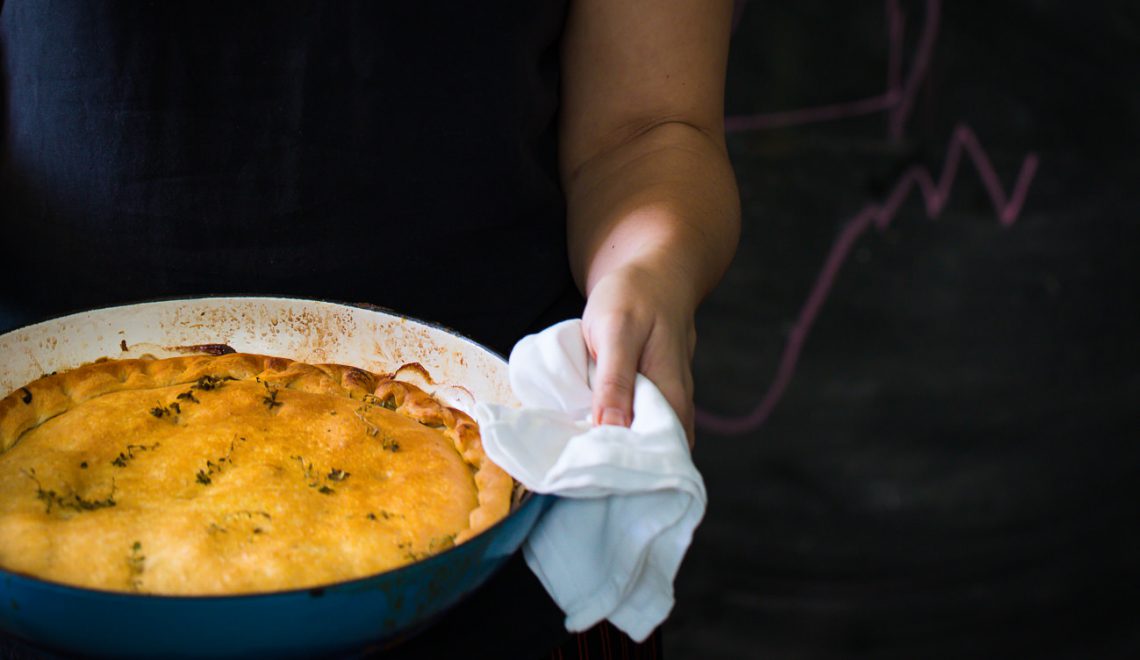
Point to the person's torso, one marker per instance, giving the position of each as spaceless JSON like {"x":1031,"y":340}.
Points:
{"x":401,"y":154}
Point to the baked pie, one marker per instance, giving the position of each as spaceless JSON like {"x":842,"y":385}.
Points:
{"x":234,"y":474}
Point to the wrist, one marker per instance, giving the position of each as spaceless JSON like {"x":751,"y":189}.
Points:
{"x":650,"y":290}
{"x":659,"y":276}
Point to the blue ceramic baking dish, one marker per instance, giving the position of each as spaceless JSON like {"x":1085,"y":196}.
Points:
{"x":336,"y":618}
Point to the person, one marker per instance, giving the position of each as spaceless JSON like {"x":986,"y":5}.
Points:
{"x":482,"y":165}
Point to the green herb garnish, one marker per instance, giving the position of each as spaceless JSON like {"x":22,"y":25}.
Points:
{"x":212,"y":468}
{"x":72,"y":501}
{"x":136,"y":564}
{"x":207,"y":383}
{"x":129,"y":454}
{"x":271,"y":401}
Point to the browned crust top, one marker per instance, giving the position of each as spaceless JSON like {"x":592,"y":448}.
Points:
{"x":54,"y":394}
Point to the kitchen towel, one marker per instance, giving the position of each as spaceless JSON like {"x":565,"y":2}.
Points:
{"x":629,"y":498}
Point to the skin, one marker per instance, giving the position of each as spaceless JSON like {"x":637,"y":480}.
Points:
{"x":653,"y":209}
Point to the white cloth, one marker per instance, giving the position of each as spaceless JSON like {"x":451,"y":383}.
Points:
{"x":610,"y":546}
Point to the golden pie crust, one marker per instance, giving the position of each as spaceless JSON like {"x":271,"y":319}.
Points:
{"x":234,"y":474}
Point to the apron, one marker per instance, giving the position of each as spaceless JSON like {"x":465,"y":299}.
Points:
{"x":398,"y":154}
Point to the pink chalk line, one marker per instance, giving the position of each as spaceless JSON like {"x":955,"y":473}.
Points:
{"x":771,"y":120}
{"x":880,"y":215}
{"x":897,"y":101}
{"x":896,"y":119}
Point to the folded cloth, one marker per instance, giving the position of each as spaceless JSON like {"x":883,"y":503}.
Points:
{"x":630,"y":498}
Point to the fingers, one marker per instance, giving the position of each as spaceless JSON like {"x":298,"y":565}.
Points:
{"x":633,"y":322}
{"x":621,"y":347}
{"x":670,"y":371}
{"x":617,"y":349}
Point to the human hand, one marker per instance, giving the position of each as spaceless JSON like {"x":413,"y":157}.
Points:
{"x":635,"y":321}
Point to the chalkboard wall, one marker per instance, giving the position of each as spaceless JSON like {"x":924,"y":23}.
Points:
{"x":919,"y":383}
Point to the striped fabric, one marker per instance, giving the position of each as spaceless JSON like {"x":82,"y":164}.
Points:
{"x":605,"y":642}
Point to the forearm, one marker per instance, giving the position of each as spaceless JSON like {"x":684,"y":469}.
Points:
{"x":663,"y":200}
{"x":653,"y":212}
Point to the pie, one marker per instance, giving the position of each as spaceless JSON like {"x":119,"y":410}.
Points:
{"x":238,"y":473}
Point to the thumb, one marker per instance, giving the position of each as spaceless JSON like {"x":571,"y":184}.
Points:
{"x":617,"y":354}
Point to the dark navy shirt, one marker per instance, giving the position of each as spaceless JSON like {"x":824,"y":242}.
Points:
{"x":400,"y":154}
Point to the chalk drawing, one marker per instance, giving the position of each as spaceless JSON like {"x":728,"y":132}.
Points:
{"x":898,"y":102}
{"x":897,"y":99}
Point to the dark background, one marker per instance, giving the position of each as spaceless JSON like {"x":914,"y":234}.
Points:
{"x":954,"y":469}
